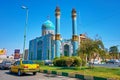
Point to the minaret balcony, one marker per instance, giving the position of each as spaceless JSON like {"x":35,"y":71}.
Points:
{"x":75,"y":38}
{"x":57,"y":36}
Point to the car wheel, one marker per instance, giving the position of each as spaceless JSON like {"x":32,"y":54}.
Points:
{"x":19,"y":73}
{"x":34,"y":73}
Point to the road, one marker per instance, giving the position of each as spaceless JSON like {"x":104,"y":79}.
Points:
{"x":5,"y":75}
{"x":108,"y":65}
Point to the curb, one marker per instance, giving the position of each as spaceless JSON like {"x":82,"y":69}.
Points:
{"x":79,"y":76}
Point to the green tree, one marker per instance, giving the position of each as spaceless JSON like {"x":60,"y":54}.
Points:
{"x":103,"y":54}
{"x":91,"y":48}
{"x":113,"y":51}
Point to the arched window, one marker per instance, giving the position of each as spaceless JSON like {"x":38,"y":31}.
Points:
{"x":39,"y":44}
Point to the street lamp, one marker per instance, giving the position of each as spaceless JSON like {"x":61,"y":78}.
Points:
{"x":24,"y":7}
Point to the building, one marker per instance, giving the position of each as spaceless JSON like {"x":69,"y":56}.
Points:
{"x":50,"y":44}
{"x":26,"y":55}
{"x":82,"y":37}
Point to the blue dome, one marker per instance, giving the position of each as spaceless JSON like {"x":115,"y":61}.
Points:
{"x":48,"y":25}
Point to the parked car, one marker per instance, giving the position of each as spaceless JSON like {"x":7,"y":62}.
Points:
{"x":117,"y":61}
{"x":96,"y":62}
{"x":48,"y":62}
{"x":5,"y":65}
{"x":112,"y":61}
{"x":118,"y":64}
{"x":24,"y":66}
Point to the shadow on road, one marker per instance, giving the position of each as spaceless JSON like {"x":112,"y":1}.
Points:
{"x":15,"y":74}
{"x":50,"y":75}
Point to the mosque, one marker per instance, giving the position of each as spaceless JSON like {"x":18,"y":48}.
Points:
{"x":50,"y":44}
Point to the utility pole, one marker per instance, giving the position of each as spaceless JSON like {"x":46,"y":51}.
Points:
{"x":24,"y":7}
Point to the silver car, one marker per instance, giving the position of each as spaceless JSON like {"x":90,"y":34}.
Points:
{"x":5,"y":65}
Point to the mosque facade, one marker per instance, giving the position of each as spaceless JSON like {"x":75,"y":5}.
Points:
{"x":50,"y":44}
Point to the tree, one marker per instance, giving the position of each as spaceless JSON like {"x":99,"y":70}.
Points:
{"x":91,"y":48}
{"x":113,"y":51}
{"x":103,"y":54}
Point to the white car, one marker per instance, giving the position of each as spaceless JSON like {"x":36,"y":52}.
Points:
{"x":48,"y":62}
{"x":96,"y":62}
{"x":5,"y":65}
{"x":117,"y":61}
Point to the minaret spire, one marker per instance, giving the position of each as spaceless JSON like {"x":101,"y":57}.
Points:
{"x":74,"y":32}
{"x":57,"y":32}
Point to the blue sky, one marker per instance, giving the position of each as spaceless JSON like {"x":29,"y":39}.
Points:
{"x":94,"y":17}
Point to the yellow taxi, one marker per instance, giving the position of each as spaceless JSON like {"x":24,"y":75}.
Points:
{"x":24,"y":66}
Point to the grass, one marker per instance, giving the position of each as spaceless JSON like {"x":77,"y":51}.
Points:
{"x":96,"y":71}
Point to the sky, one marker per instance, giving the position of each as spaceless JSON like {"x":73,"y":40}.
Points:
{"x":94,"y":17}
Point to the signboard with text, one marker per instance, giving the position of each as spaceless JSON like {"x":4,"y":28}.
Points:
{"x":16,"y":53}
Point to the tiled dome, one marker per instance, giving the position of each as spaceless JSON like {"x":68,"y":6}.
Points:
{"x":48,"y":25}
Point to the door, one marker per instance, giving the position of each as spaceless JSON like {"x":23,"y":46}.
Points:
{"x":15,"y":66}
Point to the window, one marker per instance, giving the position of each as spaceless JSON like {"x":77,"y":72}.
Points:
{"x":27,"y":62}
{"x":17,"y":63}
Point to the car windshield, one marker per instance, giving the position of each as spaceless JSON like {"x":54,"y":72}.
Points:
{"x":27,"y":62}
{"x":8,"y":62}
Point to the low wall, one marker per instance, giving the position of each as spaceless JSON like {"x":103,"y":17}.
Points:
{"x":79,"y":76}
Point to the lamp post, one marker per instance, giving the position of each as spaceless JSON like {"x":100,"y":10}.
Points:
{"x":24,"y":7}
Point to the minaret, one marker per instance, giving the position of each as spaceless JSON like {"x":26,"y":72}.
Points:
{"x":57,"y":32}
{"x":74,"y":34}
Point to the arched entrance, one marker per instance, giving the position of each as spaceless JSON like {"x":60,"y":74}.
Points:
{"x":66,"y":50}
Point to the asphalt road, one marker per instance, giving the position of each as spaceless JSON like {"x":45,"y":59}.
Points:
{"x":5,"y":75}
{"x":108,"y":65}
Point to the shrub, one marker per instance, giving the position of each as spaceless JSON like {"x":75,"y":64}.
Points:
{"x":67,"y":61}
{"x":59,"y":62}
{"x":84,"y":62}
{"x":56,"y":58}
{"x":77,"y":61}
